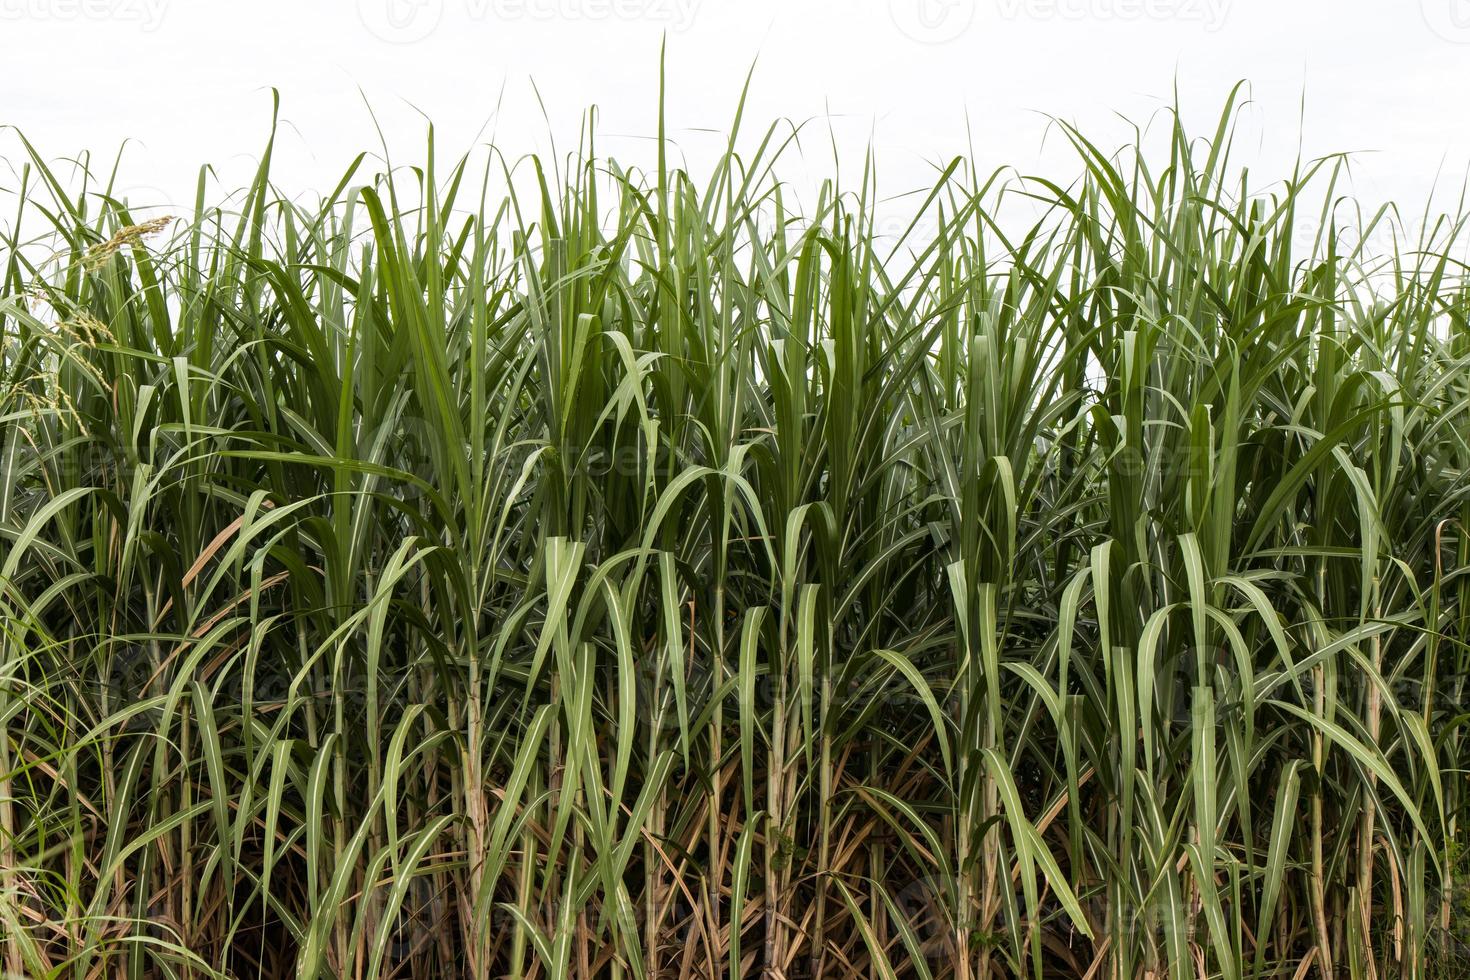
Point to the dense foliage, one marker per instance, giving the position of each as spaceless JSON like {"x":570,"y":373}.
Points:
{"x":542,"y":569}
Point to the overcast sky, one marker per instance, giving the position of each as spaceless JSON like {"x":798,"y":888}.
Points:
{"x":923,"y":79}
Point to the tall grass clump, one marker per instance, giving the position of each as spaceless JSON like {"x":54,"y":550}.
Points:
{"x":539,"y":568}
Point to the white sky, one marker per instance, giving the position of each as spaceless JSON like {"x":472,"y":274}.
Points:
{"x":188,"y":79}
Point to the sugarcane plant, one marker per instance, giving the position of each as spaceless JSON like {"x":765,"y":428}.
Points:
{"x":543,"y":567}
